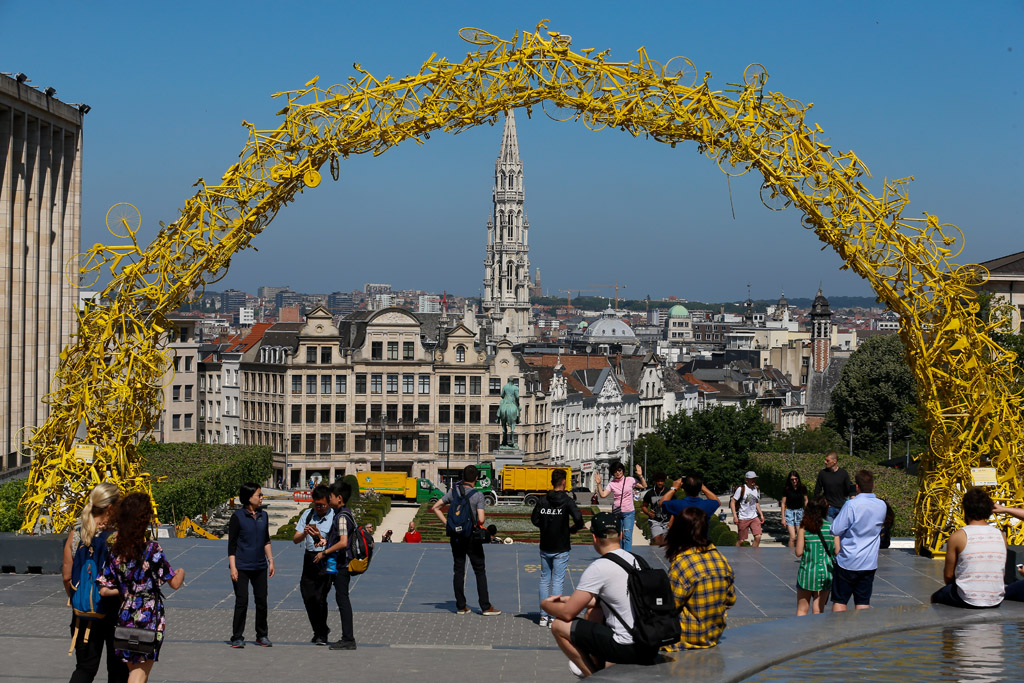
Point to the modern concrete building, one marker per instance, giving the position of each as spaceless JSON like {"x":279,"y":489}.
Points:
{"x":1006,"y":283}
{"x":40,"y":226}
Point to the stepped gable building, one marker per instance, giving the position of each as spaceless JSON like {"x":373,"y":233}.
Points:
{"x":415,"y":391}
{"x":506,"y":298}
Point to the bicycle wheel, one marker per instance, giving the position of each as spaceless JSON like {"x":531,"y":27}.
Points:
{"x":123,"y":220}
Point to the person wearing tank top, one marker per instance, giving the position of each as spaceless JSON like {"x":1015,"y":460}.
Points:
{"x":975,"y":558}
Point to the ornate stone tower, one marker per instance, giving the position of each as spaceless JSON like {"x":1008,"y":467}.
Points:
{"x":821,"y":333}
{"x":506,"y":299}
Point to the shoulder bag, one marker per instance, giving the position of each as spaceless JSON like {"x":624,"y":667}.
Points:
{"x":828,"y":553}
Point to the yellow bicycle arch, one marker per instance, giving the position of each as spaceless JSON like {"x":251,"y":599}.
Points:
{"x":108,"y":382}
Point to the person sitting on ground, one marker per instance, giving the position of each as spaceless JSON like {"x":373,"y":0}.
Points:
{"x":601,"y":638}
{"x":975,"y":558}
{"x":746,"y":510}
{"x":692,"y":486}
{"x":702,"y":581}
{"x":814,"y":548}
{"x":794,"y":500}
{"x":412,"y":535}
{"x":1014,"y":591}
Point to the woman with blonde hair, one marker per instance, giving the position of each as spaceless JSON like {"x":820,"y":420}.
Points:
{"x":91,"y":532}
{"x":135,"y":571}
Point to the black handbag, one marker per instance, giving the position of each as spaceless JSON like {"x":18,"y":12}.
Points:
{"x":139,"y":640}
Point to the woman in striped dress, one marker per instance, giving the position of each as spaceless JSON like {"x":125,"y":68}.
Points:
{"x":814,"y":577}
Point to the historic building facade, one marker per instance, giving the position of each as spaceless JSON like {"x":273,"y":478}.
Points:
{"x":371,"y":392}
{"x":506,"y":298}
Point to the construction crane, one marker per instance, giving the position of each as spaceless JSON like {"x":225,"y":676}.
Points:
{"x":568,"y":295}
{"x":616,"y":286}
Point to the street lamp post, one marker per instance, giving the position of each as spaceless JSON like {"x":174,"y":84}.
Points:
{"x":907,"y":467}
{"x":888,"y":427}
{"x":383,"y":424}
{"x":849,"y":423}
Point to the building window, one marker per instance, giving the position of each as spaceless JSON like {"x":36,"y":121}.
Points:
{"x":311,"y":414}
{"x":424,"y":384}
{"x":375,"y":413}
{"x":341,"y":384}
{"x":296,"y":446}
{"x":474,"y":443}
{"x":392,"y":384}
{"x":176,"y":422}
{"x":339,"y":412}
{"x":407,"y":412}
{"x":339,"y":443}
{"x":460,"y":385}
{"x":423,"y":413}
{"x":423,"y":446}
{"x":310,"y":384}
{"x":325,"y":355}
{"x":310,"y":444}
{"x":442,"y":443}
{"x":474,"y":415}
{"x":325,"y":443}
{"x":444,"y":384}
{"x":176,"y":392}
{"x":376,"y":384}
{"x":460,"y":443}
{"x":474,"y":386}
{"x":360,"y":445}
{"x":408,"y":351}
{"x":376,"y":350}
{"x":392,"y":350}
{"x":460,"y":414}
{"x":407,"y":443}
{"x":360,"y":413}
{"x":325,"y":384}
{"x":325,"y":414}
{"x":493,"y":442}
{"x":188,"y":363}
{"x":188,"y":420}
{"x":296,"y":415}
{"x":311,"y":355}
{"x":392,"y":413}
{"x":177,"y":364}
{"x":494,"y":386}
{"x":408,"y":384}
{"x":391,"y":443}
{"x":360,"y":384}
{"x":492,"y":414}
{"x":296,"y":383}
{"x":444,"y":414}
{"x":460,"y":354}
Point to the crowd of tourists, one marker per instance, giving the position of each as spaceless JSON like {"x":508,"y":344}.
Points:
{"x":621,"y":610}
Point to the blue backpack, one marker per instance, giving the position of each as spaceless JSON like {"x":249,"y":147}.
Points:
{"x":460,"y":514}
{"x":85,"y":570}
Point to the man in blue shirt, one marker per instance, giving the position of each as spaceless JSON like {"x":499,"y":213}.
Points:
{"x":312,"y":530}
{"x":692,"y":485}
{"x":856,"y":531}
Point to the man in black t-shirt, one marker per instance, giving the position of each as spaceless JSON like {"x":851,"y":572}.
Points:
{"x":652,"y":508}
{"x":834,"y":482}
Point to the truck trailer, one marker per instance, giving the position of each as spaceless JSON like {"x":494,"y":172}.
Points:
{"x":399,"y":485}
{"x":516,"y":484}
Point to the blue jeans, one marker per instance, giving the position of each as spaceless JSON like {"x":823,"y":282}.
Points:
{"x":552,"y":574}
{"x":832,"y":512}
{"x":628,"y":518}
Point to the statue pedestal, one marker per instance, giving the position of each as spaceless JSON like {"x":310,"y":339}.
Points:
{"x":507,"y":456}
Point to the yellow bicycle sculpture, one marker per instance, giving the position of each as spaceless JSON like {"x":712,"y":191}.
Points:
{"x":108,"y":383}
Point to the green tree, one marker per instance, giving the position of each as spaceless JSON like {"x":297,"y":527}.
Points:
{"x":876,"y":387}
{"x":714,"y":442}
{"x":803,"y":440}
{"x":653,"y":450}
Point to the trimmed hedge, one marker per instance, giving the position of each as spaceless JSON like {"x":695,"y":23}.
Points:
{"x":287,"y":532}
{"x":191,"y":478}
{"x":10,"y":495}
{"x":895,"y":487}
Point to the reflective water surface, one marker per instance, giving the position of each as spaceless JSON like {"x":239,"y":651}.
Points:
{"x":991,"y":653}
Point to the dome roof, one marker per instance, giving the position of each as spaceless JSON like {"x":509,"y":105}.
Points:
{"x":678,"y":311}
{"x":608,"y":328}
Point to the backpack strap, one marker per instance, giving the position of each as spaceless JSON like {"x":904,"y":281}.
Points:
{"x":630,"y":569}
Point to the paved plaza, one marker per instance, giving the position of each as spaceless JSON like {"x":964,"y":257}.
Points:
{"x":404,"y":615}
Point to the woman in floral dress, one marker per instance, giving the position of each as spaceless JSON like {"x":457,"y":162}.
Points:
{"x":135,"y":571}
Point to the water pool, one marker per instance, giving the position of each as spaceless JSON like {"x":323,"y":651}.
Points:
{"x":974,"y":652}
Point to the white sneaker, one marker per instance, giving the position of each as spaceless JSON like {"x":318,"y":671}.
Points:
{"x":544,"y":621}
{"x":576,"y":670}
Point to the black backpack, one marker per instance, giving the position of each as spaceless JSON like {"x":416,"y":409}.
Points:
{"x":655,"y":615}
{"x":460,"y":514}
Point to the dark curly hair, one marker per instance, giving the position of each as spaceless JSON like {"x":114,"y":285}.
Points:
{"x":133,"y":518}
{"x":977,"y":504}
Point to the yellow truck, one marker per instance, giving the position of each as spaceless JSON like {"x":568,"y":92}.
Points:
{"x":399,"y":485}
{"x":528,"y":483}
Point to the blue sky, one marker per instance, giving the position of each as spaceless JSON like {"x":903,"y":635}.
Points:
{"x":929,"y":89}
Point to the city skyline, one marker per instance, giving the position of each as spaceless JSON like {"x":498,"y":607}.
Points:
{"x":603,"y":207}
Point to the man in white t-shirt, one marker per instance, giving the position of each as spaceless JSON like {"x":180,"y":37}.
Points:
{"x":601,"y":638}
{"x":746,"y":509}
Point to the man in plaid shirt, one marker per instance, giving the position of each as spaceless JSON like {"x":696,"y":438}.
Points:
{"x":702,"y":581}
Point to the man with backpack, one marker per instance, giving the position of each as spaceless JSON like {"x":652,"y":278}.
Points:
{"x":746,"y":510}
{"x":631,"y":611}
{"x":336,"y":558}
{"x":464,"y":525}
{"x":313,"y":527}
{"x":557,"y":517}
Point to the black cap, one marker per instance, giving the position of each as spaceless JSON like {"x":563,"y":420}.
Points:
{"x":604,"y":523}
